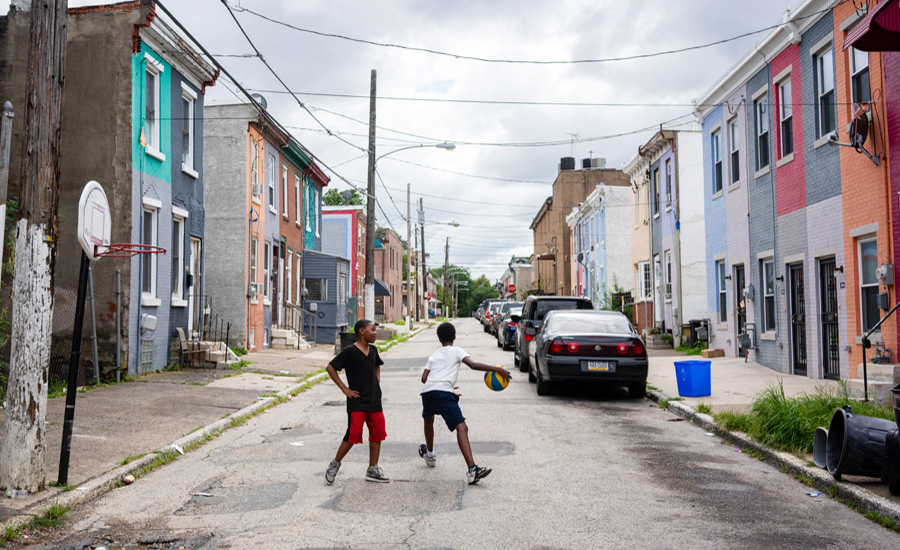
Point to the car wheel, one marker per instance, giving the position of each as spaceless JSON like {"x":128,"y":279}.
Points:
{"x":531,"y":377}
{"x":516,"y":361}
{"x":543,"y":386}
{"x":637,"y":390}
{"x":499,"y":345}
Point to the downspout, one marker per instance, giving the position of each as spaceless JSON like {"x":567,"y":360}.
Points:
{"x":679,"y":317}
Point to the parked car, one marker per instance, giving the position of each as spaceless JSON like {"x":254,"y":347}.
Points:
{"x":592,"y":346}
{"x":492,"y":310}
{"x":485,"y":307}
{"x":533,"y":313}
{"x":504,"y":307}
{"x":506,"y":334}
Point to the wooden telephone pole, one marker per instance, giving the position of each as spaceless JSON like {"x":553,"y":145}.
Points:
{"x":23,"y":445}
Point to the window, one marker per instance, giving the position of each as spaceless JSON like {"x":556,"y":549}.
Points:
{"x":299,"y":280}
{"x":267,"y":266}
{"x":723,"y":302}
{"x":768,"y":285}
{"x":825,"y":91}
{"x":669,"y":183}
{"x":761,"y":110}
{"x":342,"y":289}
{"x":868,"y":287}
{"x":734,"y":137}
{"x":288,"y":265}
{"x":668,"y":274}
{"x":644,"y":280}
{"x":177,"y":257}
{"x":786,"y":116}
{"x":717,"y":161}
{"x":656,"y":191}
{"x":253,"y":253}
{"x":859,"y":76}
{"x":270,"y":180}
{"x":254,"y":169}
{"x":148,"y":261}
{"x":317,"y":289}
{"x":297,"y":199}
{"x":152,"y":75}
{"x":318,"y":208}
{"x":657,"y":272}
{"x":188,"y":97}
{"x":284,"y":191}
{"x":308,"y":205}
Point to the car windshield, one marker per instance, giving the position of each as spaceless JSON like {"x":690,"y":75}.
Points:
{"x":495,"y":307}
{"x":509,"y":305}
{"x":585,"y":324}
{"x":546,"y":306}
{"x":515,"y":312}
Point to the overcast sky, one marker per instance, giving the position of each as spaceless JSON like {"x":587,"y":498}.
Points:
{"x":494,"y":182}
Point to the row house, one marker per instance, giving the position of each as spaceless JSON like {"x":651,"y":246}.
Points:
{"x":344,"y":234}
{"x":668,"y":259}
{"x":601,"y":244}
{"x":132,"y":120}
{"x":551,"y":236}
{"x":389,"y":276}
{"x":799,"y":234}
{"x":519,"y":274}
{"x":257,"y":272}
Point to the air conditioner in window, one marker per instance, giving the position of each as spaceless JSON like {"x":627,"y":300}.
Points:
{"x":254,"y":290}
{"x":257,"y":189}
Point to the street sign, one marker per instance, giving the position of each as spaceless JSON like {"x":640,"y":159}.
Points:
{"x":94,"y":220}
{"x":511,"y":289}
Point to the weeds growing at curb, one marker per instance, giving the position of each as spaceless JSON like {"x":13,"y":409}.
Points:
{"x":704,"y":408}
{"x":663,"y":404}
{"x":132,"y":458}
{"x":65,"y":488}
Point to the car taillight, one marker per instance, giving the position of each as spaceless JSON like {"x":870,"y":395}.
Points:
{"x":622,"y":348}
{"x":637,"y":348}
{"x":557,"y":346}
{"x":573,"y":347}
{"x":513,"y":324}
{"x":529,"y":337}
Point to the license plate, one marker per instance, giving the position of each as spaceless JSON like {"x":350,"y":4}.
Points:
{"x":599,"y":366}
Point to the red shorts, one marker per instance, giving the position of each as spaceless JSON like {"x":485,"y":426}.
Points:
{"x":373,"y":420}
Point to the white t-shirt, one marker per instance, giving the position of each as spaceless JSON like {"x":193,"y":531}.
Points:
{"x":444,"y":367}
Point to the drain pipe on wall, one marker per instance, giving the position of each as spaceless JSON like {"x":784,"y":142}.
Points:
{"x":679,"y":317}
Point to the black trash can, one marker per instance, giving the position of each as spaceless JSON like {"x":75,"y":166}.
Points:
{"x":856,"y":444}
{"x":345,"y":339}
{"x":892,"y":462}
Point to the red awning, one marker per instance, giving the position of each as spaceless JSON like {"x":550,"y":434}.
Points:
{"x":879,"y":31}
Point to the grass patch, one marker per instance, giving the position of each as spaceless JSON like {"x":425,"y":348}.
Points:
{"x":735,"y":421}
{"x":132,"y":458}
{"x":52,"y":517}
{"x":704,"y":408}
{"x":240,"y":351}
{"x":10,"y":533}
{"x":663,"y":404}
{"x":65,"y":488}
{"x":239,"y":365}
{"x":57,"y":387}
{"x":696,"y":349}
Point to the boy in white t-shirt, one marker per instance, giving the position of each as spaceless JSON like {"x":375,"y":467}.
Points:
{"x":438,"y":397}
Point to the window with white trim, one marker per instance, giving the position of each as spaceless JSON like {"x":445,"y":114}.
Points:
{"x":284,"y":191}
{"x":644,"y":280}
{"x":716,"y":147}
{"x":299,"y":281}
{"x":255,"y":188}
{"x":824,"y":63}
{"x":668,"y":274}
{"x":270,"y":180}
{"x":860,"y":91}
{"x":668,"y":183}
{"x":309,"y":203}
{"x":656,"y":183}
{"x":297,"y":199}
{"x":267,"y":269}
{"x":768,"y":286}
{"x":152,"y":76}
{"x":318,"y":207}
{"x":721,"y":292}
{"x":288,"y":265}
{"x":177,"y":257}
{"x":149,"y":232}
{"x":734,"y":137}
{"x":342,"y":289}
{"x":868,"y":283}
{"x":761,"y":114}
{"x":786,"y":118}
{"x":188,"y":98}
{"x":254,"y":247}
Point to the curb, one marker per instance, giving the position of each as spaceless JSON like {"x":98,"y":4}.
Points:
{"x":820,"y":479}
{"x":106,"y":482}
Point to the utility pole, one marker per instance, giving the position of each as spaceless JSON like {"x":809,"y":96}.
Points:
{"x":409,"y":249}
{"x":446,"y":266}
{"x":370,"y":211}
{"x":424,"y":277}
{"x":23,"y":446}
{"x":5,"y":138}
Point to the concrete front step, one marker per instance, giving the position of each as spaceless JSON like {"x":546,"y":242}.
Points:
{"x":287,"y":339}
{"x":879,"y":390}
{"x":881,"y":373}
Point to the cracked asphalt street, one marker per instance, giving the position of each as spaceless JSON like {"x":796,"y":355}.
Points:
{"x":581,"y":469}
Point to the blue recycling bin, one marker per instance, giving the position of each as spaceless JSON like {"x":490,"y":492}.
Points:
{"x":693,"y":378}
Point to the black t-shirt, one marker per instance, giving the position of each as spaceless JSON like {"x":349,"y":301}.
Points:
{"x":360,"y":371}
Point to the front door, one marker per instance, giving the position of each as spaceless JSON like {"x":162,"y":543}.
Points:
{"x":276,"y":278}
{"x":194,"y":293}
{"x":828,"y":306}
{"x":740,"y":306}
{"x":798,"y":319}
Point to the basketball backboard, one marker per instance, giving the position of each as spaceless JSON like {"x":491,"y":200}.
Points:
{"x":94,"y":221}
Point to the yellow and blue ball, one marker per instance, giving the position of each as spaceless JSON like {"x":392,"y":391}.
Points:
{"x":495,"y":382}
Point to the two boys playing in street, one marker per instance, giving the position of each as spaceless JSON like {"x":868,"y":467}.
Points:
{"x":362,"y":365}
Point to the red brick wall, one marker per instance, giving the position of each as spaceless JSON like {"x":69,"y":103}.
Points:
{"x":790,"y":177}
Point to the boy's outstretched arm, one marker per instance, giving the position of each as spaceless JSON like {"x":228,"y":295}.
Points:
{"x":425,"y":375}
{"x":340,"y":383}
{"x":484,"y":367}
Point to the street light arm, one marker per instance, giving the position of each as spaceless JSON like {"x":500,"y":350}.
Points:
{"x":445,"y":145}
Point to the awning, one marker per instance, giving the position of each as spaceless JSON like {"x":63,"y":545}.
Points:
{"x":879,"y":31}
{"x":381,"y":289}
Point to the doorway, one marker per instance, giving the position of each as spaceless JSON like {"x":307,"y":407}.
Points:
{"x":798,"y":319}
{"x":828,"y":306}
{"x":740,"y":306}
{"x":277,"y":261}
{"x":195,"y":321}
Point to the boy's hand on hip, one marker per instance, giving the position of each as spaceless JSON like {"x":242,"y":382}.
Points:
{"x":351,"y":393}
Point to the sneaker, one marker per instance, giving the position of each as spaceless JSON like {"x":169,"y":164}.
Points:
{"x":476,"y":474}
{"x":375,"y":474}
{"x":430,"y":458}
{"x":332,"y":471}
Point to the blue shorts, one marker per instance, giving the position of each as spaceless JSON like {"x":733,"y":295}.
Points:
{"x":445,"y":404}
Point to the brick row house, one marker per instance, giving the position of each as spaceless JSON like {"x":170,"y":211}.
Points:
{"x":344,"y":234}
{"x":389,"y":276}
{"x":800,"y":229}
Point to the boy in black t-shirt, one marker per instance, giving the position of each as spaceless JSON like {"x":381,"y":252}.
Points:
{"x":362,"y":366}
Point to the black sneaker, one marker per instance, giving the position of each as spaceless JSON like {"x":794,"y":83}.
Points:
{"x":476,"y":474}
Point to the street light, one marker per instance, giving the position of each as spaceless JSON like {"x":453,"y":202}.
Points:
{"x":369,"y":311}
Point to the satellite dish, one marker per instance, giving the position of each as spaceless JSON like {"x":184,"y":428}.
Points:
{"x":348,"y":195}
{"x":859,"y":129}
{"x":260,"y":99}
{"x":581,"y":257}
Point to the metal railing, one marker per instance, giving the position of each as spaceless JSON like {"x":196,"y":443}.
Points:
{"x":301,"y":321}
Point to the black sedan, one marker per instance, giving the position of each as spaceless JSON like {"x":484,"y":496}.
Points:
{"x":589,"y":346}
{"x":506,"y":333}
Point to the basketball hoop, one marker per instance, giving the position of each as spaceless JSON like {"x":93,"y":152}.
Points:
{"x":127,"y":250}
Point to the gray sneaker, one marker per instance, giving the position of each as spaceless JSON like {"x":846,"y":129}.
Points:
{"x":332,"y":471}
{"x":375,"y":474}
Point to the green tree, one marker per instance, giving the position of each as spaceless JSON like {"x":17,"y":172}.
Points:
{"x":333,"y":197}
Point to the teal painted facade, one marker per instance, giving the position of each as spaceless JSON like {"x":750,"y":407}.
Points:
{"x":159,"y":169}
